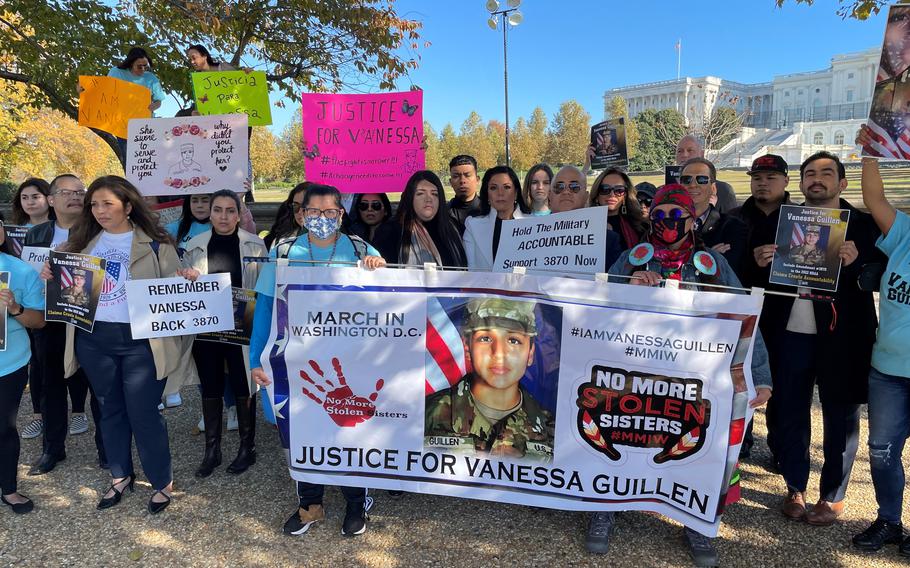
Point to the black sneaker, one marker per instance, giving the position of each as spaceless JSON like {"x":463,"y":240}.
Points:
{"x":355,"y":520}
{"x":600,"y":527}
{"x":878,"y":535}
{"x":904,"y":548}
{"x":395,"y":495}
{"x":702,"y":549}
{"x":302,"y":519}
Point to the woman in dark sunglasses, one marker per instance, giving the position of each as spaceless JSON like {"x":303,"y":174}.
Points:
{"x":368,"y":212}
{"x":614,"y":190}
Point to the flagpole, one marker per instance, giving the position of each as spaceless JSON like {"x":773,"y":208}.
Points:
{"x":678,"y":57}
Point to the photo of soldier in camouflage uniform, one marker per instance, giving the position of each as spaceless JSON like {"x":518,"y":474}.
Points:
{"x":808,"y":253}
{"x":488,"y":412}
{"x":76,"y":294}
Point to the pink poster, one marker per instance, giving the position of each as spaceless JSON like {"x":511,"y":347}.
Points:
{"x":363,"y":143}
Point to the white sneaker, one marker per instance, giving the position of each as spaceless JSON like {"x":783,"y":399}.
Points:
{"x":201,"y":425}
{"x":173,"y":400}
{"x":232,"y":418}
{"x":78,"y":424}
{"x":160,"y":406}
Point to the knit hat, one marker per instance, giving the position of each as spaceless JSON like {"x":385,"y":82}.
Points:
{"x":675,"y":194}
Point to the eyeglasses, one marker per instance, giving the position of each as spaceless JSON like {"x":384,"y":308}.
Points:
{"x":561,"y":186}
{"x":367,"y":205}
{"x":315,"y":213}
{"x":617,"y":190}
{"x":674,"y":214}
{"x":66,"y":194}
{"x":645,"y":201}
{"x":689,"y":180}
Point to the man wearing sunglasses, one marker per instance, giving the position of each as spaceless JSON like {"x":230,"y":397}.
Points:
{"x":568,"y":192}
{"x":722,"y":233}
{"x":690,"y":147}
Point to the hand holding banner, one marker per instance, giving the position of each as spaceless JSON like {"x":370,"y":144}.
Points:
{"x":107,"y":104}
{"x":233,"y":92}
{"x":363,"y":143}
{"x":166,"y":307}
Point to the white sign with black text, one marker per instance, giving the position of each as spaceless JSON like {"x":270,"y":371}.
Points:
{"x":574,"y":241}
{"x":35,"y":256}
{"x":176,"y":306}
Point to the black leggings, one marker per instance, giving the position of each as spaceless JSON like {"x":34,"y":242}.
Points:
{"x":11,"y":388}
{"x":210,"y":360}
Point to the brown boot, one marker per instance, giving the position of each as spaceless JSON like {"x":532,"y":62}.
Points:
{"x":824,"y":513}
{"x":794,"y":507}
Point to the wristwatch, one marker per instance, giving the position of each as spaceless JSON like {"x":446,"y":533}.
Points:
{"x":19,"y":313}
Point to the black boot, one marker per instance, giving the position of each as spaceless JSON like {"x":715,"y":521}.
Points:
{"x":246,"y":422}
{"x":211,"y":413}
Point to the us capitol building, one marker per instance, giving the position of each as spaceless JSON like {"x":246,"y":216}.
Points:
{"x":793,"y":115}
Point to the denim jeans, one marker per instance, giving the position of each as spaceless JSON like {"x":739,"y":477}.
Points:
{"x":889,"y":426}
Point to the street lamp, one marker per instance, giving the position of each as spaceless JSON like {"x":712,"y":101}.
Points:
{"x":510,"y":16}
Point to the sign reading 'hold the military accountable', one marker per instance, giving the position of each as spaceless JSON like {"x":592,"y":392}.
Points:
{"x":515,"y":388}
{"x":808,"y":247}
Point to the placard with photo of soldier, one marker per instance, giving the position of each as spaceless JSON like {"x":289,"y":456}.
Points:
{"x":15,"y":234}
{"x":244,"y":307}
{"x":889,"y":114}
{"x":808,"y":244}
{"x":609,"y":141}
{"x":73,"y":292}
{"x":672,"y":173}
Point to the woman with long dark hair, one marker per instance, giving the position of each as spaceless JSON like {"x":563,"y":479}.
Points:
{"x":368,"y":212}
{"x":29,"y":203}
{"x":289,"y":218}
{"x":126,"y":374}
{"x":500,"y":200}
{"x":137,"y":68}
{"x":201,"y":60}
{"x":23,"y":300}
{"x":537,"y":189}
{"x":422,"y":230}
{"x":614,"y":189}
{"x":194,"y":219}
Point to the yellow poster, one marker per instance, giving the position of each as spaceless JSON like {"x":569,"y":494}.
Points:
{"x":107,"y":104}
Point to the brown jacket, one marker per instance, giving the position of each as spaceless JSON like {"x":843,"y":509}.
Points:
{"x":144,"y":264}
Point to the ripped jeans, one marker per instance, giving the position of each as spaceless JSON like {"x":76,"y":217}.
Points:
{"x":889,"y":426}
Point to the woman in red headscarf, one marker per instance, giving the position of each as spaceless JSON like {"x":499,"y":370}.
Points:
{"x":672,"y":251}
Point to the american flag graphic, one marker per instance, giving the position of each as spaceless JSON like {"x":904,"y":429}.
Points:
{"x":798,"y":236}
{"x":111,"y":275}
{"x":66,"y":277}
{"x":445,"y":360}
{"x":884,"y":145}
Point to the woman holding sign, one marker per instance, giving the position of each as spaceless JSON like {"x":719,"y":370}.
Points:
{"x":322,"y":245}
{"x":22,"y":301}
{"x":126,"y":374}
{"x":137,"y":68}
{"x":223,"y":249}
{"x":422,"y":230}
{"x":500,"y":200}
{"x":614,"y":189}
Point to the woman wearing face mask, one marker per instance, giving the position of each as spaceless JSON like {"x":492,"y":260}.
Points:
{"x":500,"y":200}
{"x":614,"y":190}
{"x":422,"y":230}
{"x":323,"y":245}
{"x":223,"y":249}
{"x":289,"y":218}
{"x":127,"y":374}
{"x":537,"y":189}
{"x":29,"y":203}
{"x":672,"y":251}
{"x":368,"y":212}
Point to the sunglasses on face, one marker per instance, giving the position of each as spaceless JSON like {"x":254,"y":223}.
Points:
{"x":561,"y":186}
{"x":617,"y":190}
{"x":645,"y":201}
{"x":367,"y":205}
{"x":671,"y":215}
{"x":690,"y":180}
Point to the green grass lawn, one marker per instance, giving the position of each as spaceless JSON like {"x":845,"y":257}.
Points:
{"x":897,"y":185}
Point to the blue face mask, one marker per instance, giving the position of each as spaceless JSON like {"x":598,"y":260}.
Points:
{"x":321,"y":227}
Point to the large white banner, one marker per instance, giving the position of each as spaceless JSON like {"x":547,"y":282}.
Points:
{"x":166,"y":307}
{"x":183,"y":156}
{"x":574,"y":241}
{"x":515,"y":388}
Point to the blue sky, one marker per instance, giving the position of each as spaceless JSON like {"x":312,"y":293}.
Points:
{"x":579,"y":48}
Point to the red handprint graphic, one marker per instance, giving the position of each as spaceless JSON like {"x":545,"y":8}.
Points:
{"x":338,"y":400}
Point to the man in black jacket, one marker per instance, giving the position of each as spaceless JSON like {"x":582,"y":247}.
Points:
{"x":66,"y":197}
{"x":464,"y":180}
{"x":823,"y":343}
{"x":724,"y":234}
{"x":690,"y":147}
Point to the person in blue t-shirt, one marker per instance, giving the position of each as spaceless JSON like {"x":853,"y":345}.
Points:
{"x":194,"y":220}
{"x":22,"y":299}
{"x":324,"y":243}
{"x":889,"y":379}
{"x":137,"y":68}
